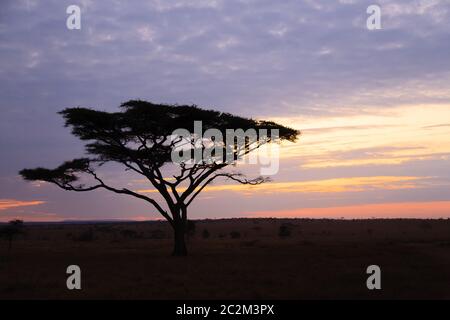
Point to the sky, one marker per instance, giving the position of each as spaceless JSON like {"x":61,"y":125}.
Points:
{"x":373,"y":105}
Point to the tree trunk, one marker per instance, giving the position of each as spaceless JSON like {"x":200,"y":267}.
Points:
{"x":179,"y":249}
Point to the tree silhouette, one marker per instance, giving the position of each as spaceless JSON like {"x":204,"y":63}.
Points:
{"x":12,"y":229}
{"x":141,"y":138}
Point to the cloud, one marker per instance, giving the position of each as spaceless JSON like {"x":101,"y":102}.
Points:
{"x":11,"y":203}
{"x":386,"y":137}
{"x":442,"y":125}
{"x":353,"y":184}
{"x":342,"y":128}
{"x":304,"y":55}
{"x":30,"y":216}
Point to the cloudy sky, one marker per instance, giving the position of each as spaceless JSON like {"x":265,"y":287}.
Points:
{"x":373,"y":105}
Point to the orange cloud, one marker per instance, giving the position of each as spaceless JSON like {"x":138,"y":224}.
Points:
{"x":434,"y":209}
{"x":381,"y":160}
{"x":352,"y":184}
{"x":11,"y":203}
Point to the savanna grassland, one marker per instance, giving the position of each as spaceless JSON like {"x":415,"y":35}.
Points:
{"x":231,"y":259}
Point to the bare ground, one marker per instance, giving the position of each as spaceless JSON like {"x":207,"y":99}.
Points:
{"x":241,"y":259}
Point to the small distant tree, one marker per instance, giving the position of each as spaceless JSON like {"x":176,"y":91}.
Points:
{"x":140,"y":138}
{"x":11,"y":230}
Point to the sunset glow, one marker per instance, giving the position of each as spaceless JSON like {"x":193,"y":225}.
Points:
{"x":417,"y":210}
{"x":353,"y":184}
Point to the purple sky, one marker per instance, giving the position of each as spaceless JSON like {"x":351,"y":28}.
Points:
{"x":373,"y":103}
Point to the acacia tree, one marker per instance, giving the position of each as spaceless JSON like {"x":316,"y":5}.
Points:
{"x":141,"y":138}
{"x":12,"y":229}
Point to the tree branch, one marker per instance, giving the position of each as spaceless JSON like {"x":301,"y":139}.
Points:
{"x":238,"y":177}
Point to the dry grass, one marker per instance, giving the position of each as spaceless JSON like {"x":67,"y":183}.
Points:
{"x":319,"y":259}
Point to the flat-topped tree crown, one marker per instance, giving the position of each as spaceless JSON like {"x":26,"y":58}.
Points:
{"x":141,"y":138}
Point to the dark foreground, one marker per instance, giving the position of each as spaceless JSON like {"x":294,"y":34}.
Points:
{"x":241,"y":259}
